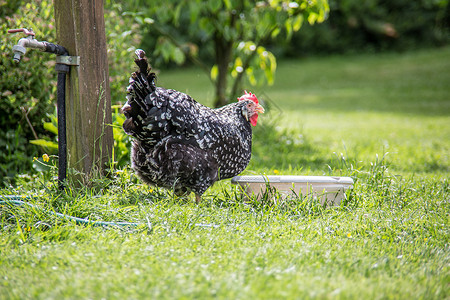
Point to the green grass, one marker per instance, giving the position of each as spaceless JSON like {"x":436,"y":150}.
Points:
{"x":331,"y":116}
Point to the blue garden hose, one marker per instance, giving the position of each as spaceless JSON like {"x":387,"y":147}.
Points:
{"x":16,"y":200}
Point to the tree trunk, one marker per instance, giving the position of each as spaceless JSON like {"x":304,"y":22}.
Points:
{"x":80,"y":29}
{"x":223,"y":56}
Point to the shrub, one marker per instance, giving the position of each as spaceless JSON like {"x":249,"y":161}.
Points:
{"x":374,"y":25}
{"x":27,"y":89}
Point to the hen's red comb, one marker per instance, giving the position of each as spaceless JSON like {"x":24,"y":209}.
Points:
{"x":249,"y":96}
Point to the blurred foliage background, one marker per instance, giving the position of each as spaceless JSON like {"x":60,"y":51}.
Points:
{"x":27,"y":90}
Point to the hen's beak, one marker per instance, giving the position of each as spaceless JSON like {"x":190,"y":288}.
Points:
{"x":259,"y":109}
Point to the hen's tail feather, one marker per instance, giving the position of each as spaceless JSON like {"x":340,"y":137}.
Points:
{"x":146,"y":77}
{"x":142,"y":83}
{"x":139,"y":106}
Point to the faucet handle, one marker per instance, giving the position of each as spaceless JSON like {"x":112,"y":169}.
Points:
{"x":24,"y":30}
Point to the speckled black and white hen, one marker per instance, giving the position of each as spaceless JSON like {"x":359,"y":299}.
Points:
{"x":179,"y":143}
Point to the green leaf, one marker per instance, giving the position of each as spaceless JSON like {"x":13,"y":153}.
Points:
{"x":214,"y":72}
{"x":312,"y":18}
{"x":139,"y":20}
{"x":165,"y":48}
{"x":297,"y":24}
{"x":228,"y":4}
{"x":214,"y":5}
{"x":275,"y":32}
{"x":273,"y":61}
{"x":149,"y":21}
{"x":238,"y":62}
{"x":194,"y":10}
{"x":288,"y":26}
{"x":206,"y":25}
{"x":178,"y":56}
{"x":176,"y":15}
{"x":45,"y":143}
{"x":251,"y":76}
{"x":50,"y":127}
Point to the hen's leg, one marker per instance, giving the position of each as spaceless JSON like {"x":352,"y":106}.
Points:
{"x":198,"y":198}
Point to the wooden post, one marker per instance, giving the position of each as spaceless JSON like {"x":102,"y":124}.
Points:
{"x":80,"y":28}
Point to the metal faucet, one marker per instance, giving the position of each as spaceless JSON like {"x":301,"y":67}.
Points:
{"x":27,"y":42}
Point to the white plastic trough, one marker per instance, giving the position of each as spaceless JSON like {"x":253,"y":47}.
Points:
{"x":324,"y":188}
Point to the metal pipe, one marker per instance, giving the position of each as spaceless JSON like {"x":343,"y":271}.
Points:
{"x":62,"y":69}
{"x":62,"y":139}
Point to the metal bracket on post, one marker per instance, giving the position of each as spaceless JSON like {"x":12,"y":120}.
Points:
{"x":63,"y":62}
{"x":68,"y":60}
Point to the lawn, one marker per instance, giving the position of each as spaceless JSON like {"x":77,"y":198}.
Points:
{"x":382,"y":119}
